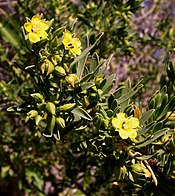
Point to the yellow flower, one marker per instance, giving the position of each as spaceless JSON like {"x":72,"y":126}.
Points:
{"x":126,"y":126}
{"x":36,"y":28}
{"x":71,"y":44}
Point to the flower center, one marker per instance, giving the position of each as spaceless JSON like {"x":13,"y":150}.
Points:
{"x":70,"y":46}
{"x":125,"y":125}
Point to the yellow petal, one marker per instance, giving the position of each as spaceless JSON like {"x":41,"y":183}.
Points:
{"x":132,"y":133}
{"x":67,"y":38}
{"x":123,"y":134}
{"x":121,"y":115}
{"x":44,"y":25}
{"x":117,"y":123}
{"x":42,"y":34}
{"x":75,"y":50}
{"x":28,"y":26}
{"x":35,"y":20}
{"x":33,"y":37}
{"x":76,"y":42}
{"x":134,"y":122}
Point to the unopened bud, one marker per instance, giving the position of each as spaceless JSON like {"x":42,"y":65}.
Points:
{"x":72,"y":79}
{"x":66,"y":107}
{"x":47,"y":66}
{"x":138,"y":169}
{"x":38,"y":97}
{"x":136,"y":112}
{"x":32,"y":114}
{"x":60,"y":71}
{"x":61,"y":122}
{"x":50,"y":107}
{"x":38,"y":119}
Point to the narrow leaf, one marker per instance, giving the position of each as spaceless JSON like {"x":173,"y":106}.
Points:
{"x":82,"y":113}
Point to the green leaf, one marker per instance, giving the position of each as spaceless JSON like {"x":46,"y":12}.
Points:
{"x":80,"y":66}
{"x":86,"y":86}
{"x":169,"y":107}
{"x":109,"y":83}
{"x":9,"y":35}
{"x":152,"y":138}
{"x":94,"y":62}
{"x":128,"y":95}
{"x":146,"y":128}
{"x":145,"y":117}
{"x":146,"y":157}
{"x":81,"y":113}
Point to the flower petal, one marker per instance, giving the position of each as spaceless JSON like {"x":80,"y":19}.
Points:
{"x":118,"y":122}
{"x":28,"y":27}
{"x":134,"y":122}
{"x":35,"y":20}
{"x":42,"y":34}
{"x":121,"y":115}
{"x":123,"y":134}
{"x":44,"y":25}
{"x":132,"y":133}
{"x":67,"y":38}
{"x":33,"y":37}
{"x":76,"y":42}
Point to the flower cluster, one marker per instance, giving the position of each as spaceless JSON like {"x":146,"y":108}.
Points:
{"x":126,"y":126}
{"x":37,"y":27}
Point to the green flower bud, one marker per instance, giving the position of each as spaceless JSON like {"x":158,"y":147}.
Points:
{"x":38,"y":97}
{"x":43,"y":53}
{"x":60,"y":121}
{"x":138,"y":169}
{"x":72,"y":79}
{"x":32,"y":114}
{"x":51,"y":123}
{"x":50,"y":107}
{"x":60,"y":71}
{"x":58,"y":58}
{"x":66,"y":67}
{"x":38,"y":119}
{"x":66,"y":107}
{"x":47,"y":66}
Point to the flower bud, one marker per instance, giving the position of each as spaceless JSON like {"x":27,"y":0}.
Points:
{"x":136,"y":112}
{"x":38,"y":119}
{"x":43,"y":53}
{"x":60,"y":71}
{"x":66,"y":107}
{"x":72,"y":79}
{"x":51,"y":123}
{"x":38,"y":97}
{"x":60,"y":121}
{"x":138,"y":169}
{"x":66,"y":67}
{"x":50,"y":107}
{"x":47,"y":66}
{"x":32,"y":114}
